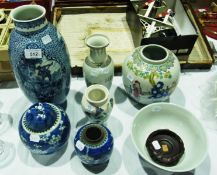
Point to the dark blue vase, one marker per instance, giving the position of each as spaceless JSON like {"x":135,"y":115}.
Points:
{"x":93,"y":144}
{"x":44,"y":128}
{"x":39,"y":56}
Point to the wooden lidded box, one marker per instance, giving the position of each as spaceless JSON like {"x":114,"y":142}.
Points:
{"x":190,"y":45}
{"x":180,"y":43}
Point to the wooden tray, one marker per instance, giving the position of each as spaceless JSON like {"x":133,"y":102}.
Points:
{"x":76,"y":23}
{"x":6,"y":27}
{"x":68,"y":3}
{"x":202,"y":55}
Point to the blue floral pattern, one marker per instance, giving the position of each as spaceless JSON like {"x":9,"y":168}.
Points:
{"x":158,"y":90}
{"x":97,"y":153}
{"x":98,"y":114}
{"x":45,"y":79}
{"x":44,"y":128}
{"x":150,"y":80}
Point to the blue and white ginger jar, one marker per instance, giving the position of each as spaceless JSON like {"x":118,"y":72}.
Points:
{"x":39,"y":56}
{"x":44,"y":128}
{"x":93,"y":144}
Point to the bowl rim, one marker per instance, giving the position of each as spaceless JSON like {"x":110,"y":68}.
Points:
{"x":170,"y":169}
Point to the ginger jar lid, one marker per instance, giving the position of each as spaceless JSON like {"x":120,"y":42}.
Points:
{"x":41,"y":117}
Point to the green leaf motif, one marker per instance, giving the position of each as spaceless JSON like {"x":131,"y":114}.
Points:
{"x":144,"y":70}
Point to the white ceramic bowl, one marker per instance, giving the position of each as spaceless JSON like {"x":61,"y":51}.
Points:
{"x":178,"y":120}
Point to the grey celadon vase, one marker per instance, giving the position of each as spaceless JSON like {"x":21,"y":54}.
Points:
{"x":98,"y":67}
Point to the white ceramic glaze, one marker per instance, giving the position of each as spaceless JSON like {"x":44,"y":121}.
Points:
{"x":180,"y":121}
{"x":35,"y":12}
{"x":98,"y":67}
{"x":96,"y":103}
{"x":150,"y":74}
{"x":97,"y":44}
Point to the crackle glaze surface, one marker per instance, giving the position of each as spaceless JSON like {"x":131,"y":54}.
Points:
{"x":40,"y":60}
{"x":44,"y":128}
{"x":93,"y":153}
{"x":148,"y":82}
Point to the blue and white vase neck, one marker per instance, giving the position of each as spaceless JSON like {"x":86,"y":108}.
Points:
{"x":29,"y":18}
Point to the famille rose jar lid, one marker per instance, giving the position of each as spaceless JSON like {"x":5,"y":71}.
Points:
{"x":165,"y":147}
{"x":44,"y":128}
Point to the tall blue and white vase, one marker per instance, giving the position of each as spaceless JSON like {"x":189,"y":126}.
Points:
{"x":93,"y":144}
{"x":39,"y":56}
{"x":44,"y":128}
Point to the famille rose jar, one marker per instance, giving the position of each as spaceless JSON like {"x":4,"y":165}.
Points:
{"x":39,"y":56}
{"x":150,"y":74}
{"x":98,"y":67}
{"x":93,"y":144}
{"x":44,"y":128}
{"x":96,"y":103}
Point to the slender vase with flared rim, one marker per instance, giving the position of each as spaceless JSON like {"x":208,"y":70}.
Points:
{"x":39,"y":56}
{"x":97,"y":44}
{"x":98,"y":67}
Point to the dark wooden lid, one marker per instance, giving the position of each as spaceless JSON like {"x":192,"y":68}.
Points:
{"x":165,"y":147}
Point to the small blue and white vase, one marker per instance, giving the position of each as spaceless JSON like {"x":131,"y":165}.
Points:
{"x":97,"y":103}
{"x":39,"y":56}
{"x":93,"y":144}
{"x":44,"y":128}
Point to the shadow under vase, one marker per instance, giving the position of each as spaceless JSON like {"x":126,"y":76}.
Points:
{"x":49,"y":159}
{"x":97,"y":168}
{"x":55,"y":159}
{"x":109,"y":167}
